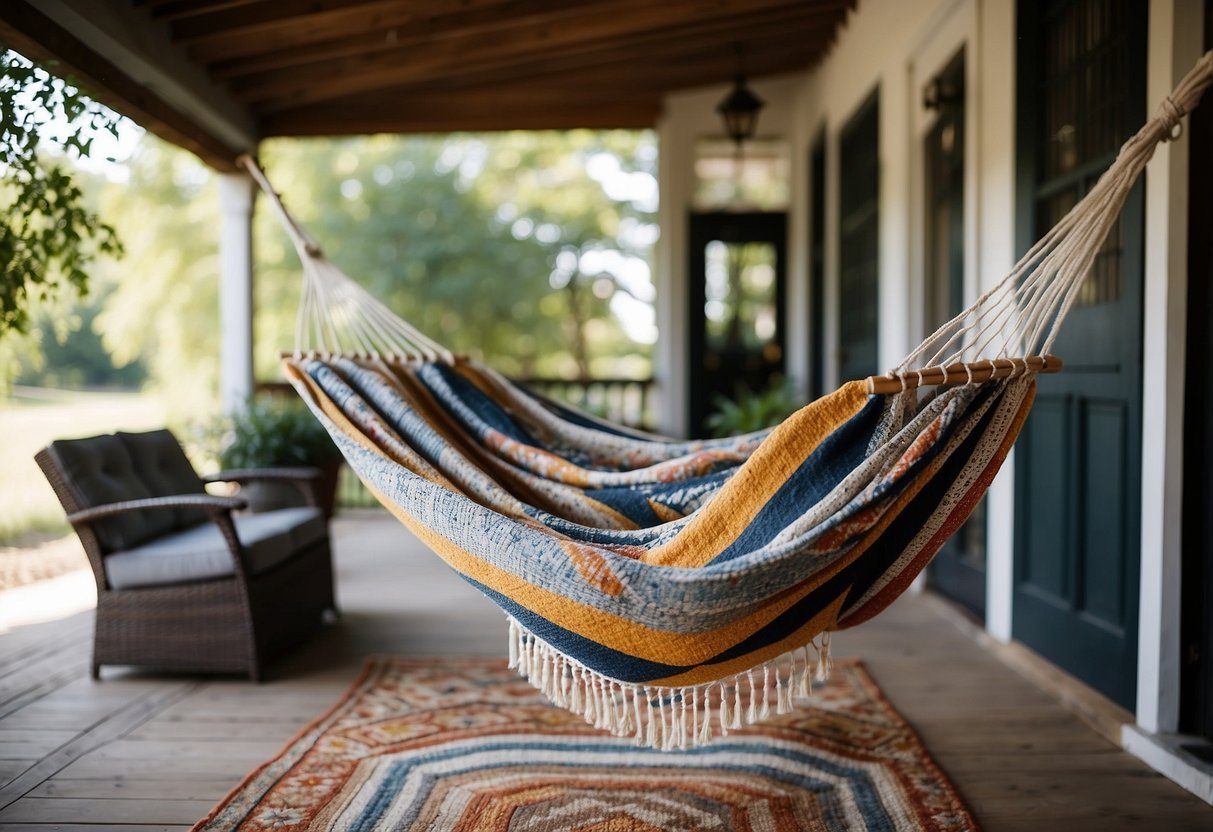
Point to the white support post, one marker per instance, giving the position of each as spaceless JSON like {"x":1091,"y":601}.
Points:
{"x":1174,"y":45}
{"x":236,"y":192}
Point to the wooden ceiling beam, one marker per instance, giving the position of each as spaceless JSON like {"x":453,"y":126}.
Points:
{"x":412,"y":32}
{"x":277,"y":17}
{"x":630,"y":93}
{"x":169,"y":10}
{"x":622,"y":31}
{"x":105,"y":77}
{"x":428,"y":117}
{"x":641,"y":76}
{"x":711,"y":50}
{"x":363,"y":45}
{"x":215,"y":37}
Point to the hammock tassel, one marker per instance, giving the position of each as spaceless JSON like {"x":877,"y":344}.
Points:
{"x":826,"y":665}
{"x":514,"y":636}
{"x":669,"y":718}
{"x":766,"y":690}
{"x":806,"y":683}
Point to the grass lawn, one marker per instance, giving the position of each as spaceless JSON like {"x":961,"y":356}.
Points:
{"x":29,"y":420}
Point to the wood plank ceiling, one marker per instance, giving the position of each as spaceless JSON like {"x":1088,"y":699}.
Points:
{"x":333,"y":67}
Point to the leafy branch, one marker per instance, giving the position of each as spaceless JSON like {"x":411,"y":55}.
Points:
{"x":48,"y":237}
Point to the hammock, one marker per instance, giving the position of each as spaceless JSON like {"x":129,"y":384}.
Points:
{"x":673,"y":591}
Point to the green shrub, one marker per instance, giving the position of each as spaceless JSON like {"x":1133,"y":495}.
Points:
{"x":749,"y":411}
{"x":267,"y":433}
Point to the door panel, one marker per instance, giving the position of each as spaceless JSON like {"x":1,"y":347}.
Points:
{"x":1041,"y":444}
{"x":1101,"y":592}
{"x":859,"y":243}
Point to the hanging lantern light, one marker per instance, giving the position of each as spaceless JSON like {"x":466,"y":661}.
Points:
{"x":739,"y":109}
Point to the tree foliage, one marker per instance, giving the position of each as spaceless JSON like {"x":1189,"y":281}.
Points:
{"x":481,"y":241}
{"x":48,"y":235}
{"x":504,"y":246}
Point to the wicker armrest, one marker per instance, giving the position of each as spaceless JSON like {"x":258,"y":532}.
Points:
{"x":209,"y":502}
{"x":252,"y":474}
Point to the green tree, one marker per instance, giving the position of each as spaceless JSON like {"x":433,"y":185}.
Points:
{"x":48,"y":235}
{"x":430,"y":225}
{"x":471,"y":238}
{"x":163,"y":307}
{"x":70,"y":353}
{"x":557,"y":187}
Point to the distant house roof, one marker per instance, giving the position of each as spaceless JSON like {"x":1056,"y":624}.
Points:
{"x":217,"y":75}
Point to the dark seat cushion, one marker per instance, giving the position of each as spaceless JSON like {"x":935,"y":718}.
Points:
{"x":162,"y":465}
{"x":200,"y":553}
{"x":99,"y":470}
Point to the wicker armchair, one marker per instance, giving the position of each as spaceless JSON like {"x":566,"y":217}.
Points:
{"x":182,"y":583}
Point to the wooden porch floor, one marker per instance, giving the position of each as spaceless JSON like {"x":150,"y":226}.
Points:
{"x":144,"y":752}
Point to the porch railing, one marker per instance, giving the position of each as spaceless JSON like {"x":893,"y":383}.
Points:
{"x":624,"y":401}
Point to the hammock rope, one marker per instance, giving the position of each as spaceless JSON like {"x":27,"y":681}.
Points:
{"x":673,"y":591}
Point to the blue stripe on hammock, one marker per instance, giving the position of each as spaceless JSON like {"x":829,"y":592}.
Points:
{"x":627,"y":502}
{"x":897,"y":536}
{"x":415,"y":431}
{"x":479,"y":414}
{"x":630,"y":502}
{"x":833,"y":460}
{"x":627,"y":668}
{"x":485,"y":409}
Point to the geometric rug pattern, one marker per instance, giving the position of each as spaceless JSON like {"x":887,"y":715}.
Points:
{"x":465,"y":744}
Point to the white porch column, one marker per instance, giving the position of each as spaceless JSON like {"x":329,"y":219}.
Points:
{"x":1174,"y":44}
{"x":236,"y":191}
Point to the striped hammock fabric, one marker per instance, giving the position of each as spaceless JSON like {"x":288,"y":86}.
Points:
{"x":675,"y":590}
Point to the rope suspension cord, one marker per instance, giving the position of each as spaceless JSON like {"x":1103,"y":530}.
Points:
{"x":336,"y":315}
{"x":1023,"y":313}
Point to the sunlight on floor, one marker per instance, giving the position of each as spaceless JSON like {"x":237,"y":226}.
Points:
{"x":48,"y":600}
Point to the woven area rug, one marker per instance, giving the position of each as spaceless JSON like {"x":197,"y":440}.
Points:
{"x":465,"y":744}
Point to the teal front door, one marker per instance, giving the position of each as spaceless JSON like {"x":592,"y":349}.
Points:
{"x":1078,"y":461}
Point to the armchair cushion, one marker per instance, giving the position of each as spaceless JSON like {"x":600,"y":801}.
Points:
{"x":100,"y":470}
{"x":165,"y":470}
{"x":201,"y":553}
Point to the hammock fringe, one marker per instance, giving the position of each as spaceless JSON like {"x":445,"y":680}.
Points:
{"x":670,"y":718}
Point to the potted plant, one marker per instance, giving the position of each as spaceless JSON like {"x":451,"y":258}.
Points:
{"x":271,"y":433}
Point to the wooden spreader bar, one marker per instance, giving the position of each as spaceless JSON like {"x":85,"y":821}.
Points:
{"x":963,"y":373}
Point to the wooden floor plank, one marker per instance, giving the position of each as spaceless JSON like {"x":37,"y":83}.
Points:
{"x":210,"y":768}
{"x":181,"y":788}
{"x":110,"y":729}
{"x":233,"y":750}
{"x":69,"y":810}
{"x":219,"y":731}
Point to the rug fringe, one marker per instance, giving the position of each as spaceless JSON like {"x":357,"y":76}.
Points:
{"x":670,"y":718}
